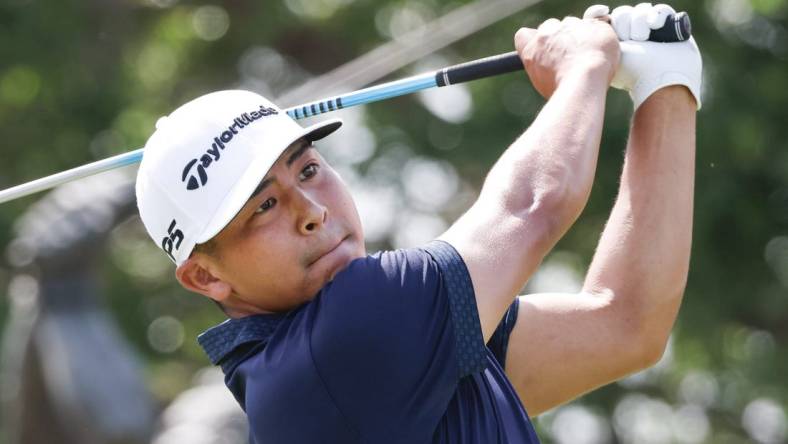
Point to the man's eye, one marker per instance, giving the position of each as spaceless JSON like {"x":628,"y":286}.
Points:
{"x":265,"y":206}
{"x":309,"y":171}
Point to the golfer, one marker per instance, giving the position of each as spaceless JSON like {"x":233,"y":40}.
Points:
{"x":328,"y":344}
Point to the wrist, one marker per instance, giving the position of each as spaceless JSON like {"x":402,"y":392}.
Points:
{"x":671,"y":84}
{"x":674,"y":97}
{"x":596,"y":69}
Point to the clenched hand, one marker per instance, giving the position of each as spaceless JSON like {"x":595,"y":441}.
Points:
{"x":557,"y":49}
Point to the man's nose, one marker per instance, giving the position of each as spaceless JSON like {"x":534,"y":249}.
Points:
{"x":311,"y":214}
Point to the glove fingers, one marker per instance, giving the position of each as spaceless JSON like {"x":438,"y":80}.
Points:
{"x":639,"y":29}
{"x":596,"y":11}
{"x":658,"y":14}
{"x":620,"y":18}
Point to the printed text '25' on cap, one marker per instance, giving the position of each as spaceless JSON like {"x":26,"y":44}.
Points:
{"x":204,"y":161}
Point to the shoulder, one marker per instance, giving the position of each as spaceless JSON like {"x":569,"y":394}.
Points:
{"x":387,"y":271}
{"x":434,"y":257}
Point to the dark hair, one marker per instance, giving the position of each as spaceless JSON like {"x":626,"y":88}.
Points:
{"x":207,"y":248}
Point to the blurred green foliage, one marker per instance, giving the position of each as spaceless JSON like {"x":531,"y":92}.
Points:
{"x":82,"y":80}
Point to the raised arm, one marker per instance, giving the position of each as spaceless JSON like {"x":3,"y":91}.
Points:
{"x":564,"y":345}
{"x":541,"y":183}
{"x":644,"y":256}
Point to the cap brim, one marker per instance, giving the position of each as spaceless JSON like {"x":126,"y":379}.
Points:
{"x":254,"y":174}
{"x":321,"y":130}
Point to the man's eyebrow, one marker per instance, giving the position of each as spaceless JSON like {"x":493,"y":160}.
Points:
{"x":299,"y":152}
{"x":293,"y":157}
{"x":260,"y":188}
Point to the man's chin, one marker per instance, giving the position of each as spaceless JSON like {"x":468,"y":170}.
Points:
{"x":329,"y":265}
{"x":338,"y":269}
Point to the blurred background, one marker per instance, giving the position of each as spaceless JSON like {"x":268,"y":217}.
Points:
{"x":98,"y":339}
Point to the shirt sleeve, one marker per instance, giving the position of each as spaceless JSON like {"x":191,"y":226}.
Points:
{"x":391,"y":337}
{"x":499,"y":341}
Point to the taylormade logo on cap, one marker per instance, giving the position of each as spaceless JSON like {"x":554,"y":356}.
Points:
{"x":241,"y":131}
{"x":219,"y":142}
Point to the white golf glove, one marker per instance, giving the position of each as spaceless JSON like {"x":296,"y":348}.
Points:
{"x":648,"y":66}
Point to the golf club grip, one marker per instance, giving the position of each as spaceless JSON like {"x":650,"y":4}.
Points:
{"x":677,"y":28}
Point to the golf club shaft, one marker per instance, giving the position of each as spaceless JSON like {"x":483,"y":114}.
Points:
{"x":476,"y":69}
{"x":676,"y":28}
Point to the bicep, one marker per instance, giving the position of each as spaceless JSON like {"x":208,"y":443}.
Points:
{"x":564,"y":345}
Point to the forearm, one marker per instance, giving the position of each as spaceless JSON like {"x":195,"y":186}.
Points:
{"x":532,"y":195}
{"x":542,"y":181}
{"x":553,"y":162}
{"x":642,"y":258}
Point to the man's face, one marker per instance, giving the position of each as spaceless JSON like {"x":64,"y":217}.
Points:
{"x":298,"y":230}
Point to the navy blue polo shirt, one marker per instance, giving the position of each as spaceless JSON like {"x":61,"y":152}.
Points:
{"x":390,"y":351}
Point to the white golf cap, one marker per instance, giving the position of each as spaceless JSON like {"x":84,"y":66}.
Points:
{"x":205,"y":159}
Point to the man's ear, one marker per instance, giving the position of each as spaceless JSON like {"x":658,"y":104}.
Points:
{"x":195,"y":276}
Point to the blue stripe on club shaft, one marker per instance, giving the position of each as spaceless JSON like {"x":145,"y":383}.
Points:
{"x":366,"y":95}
